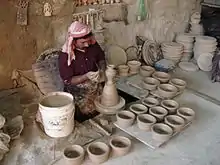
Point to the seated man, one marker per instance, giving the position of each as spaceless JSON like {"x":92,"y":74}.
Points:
{"x":79,"y":61}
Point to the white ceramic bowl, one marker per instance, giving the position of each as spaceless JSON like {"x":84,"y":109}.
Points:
{"x":98,"y":152}
{"x":146,"y":71}
{"x":175,"y":122}
{"x":158,"y":112}
{"x":74,"y":155}
{"x":186,"y":113}
{"x":138,"y":108}
{"x":145,"y":121}
{"x":150,"y":83}
{"x":161,"y":132}
{"x":167,"y":90}
{"x":170,"y":105}
{"x":120,"y":145}
{"x":179,"y":83}
{"x":125,"y":118}
{"x":161,"y":76}
{"x":150,"y":102}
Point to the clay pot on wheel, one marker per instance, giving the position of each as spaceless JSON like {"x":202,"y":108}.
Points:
{"x":98,"y":152}
{"x":134,"y":66}
{"x":120,"y":145}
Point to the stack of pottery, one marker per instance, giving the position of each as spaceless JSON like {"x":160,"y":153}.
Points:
{"x":109,"y":102}
{"x":134,"y":66}
{"x":172,"y":51}
{"x":187,"y":40}
{"x":204,"y":50}
{"x":195,"y":27}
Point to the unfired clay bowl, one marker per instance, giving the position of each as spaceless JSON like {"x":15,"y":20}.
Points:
{"x":134,"y":66}
{"x":145,"y":121}
{"x":125,"y":118}
{"x":175,"y":122}
{"x":98,"y":152}
{"x":120,"y":145}
{"x":158,"y":112}
{"x":138,"y":108}
{"x":150,"y":102}
{"x":146,"y":71}
{"x":186,"y":113}
{"x":170,"y":105}
{"x":179,"y":83}
{"x":123,"y":70}
{"x":161,"y":132}
{"x":74,"y":155}
{"x":167,"y":90}
{"x":150,"y":83}
{"x":161,"y":76}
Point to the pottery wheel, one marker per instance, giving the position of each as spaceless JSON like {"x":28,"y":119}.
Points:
{"x":109,"y":110}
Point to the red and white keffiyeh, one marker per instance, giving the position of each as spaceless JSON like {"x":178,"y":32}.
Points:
{"x":76,"y":30}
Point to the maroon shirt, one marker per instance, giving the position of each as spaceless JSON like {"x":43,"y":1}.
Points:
{"x":83,"y":63}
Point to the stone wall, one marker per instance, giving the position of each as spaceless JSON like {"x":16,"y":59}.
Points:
{"x":20,"y":46}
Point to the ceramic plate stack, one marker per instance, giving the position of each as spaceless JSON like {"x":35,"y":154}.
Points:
{"x":204,"y":50}
{"x":187,"y":40}
{"x":172,"y":51}
{"x":195,"y":27}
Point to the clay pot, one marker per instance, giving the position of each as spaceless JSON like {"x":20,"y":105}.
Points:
{"x":167,"y":90}
{"x":145,"y":121}
{"x":146,"y":71}
{"x":138,"y":108}
{"x":175,"y":122}
{"x":180,"y":84}
{"x":158,"y":112}
{"x":123,"y":70}
{"x":125,"y":118}
{"x":161,"y":76}
{"x":98,"y":152}
{"x":150,"y":102}
{"x":134,"y":66}
{"x":186,"y":113}
{"x":170,"y":105}
{"x":74,"y":155}
{"x":161,"y":132}
{"x":150,"y":83}
{"x":120,"y":145}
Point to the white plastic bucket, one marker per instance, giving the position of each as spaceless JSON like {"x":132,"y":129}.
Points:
{"x":57,"y":111}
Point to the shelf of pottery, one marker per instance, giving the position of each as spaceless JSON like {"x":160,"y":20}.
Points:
{"x":95,"y":2}
{"x":156,"y":118}
{"x":93,"y":18}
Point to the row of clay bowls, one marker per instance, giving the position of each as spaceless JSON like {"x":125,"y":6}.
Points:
{"x":132,"y":67}
{"x":98,"y":152}
{"x":172,"y":117}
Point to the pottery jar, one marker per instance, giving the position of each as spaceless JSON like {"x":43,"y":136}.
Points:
{"x":180,"y":84}
{"x":161,"y":76}
{"x":167,"y":90}
{"x":120,"y":145}
{"x":138,"y":108}
{"x":175,"y":122}
{"x":134,"y":66}
{"x":145,"y":121}
{"x":170,"y":105}
{"x":186,"y":113}
{"x":98,"y":152}
{"x":146,"y":71}
{"x":123,"y":70}
{"x":125,"y":118}
{"x":150,"y":102}
{"x":158,"y":112}
{"x":150,"y":83}
{"x":161,"y":132}
{"x":74,"y":155}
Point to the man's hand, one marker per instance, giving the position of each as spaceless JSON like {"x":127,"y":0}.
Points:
{"x":93,"y":76}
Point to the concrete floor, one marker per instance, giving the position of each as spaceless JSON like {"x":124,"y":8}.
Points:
{"x":199,"y":145}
